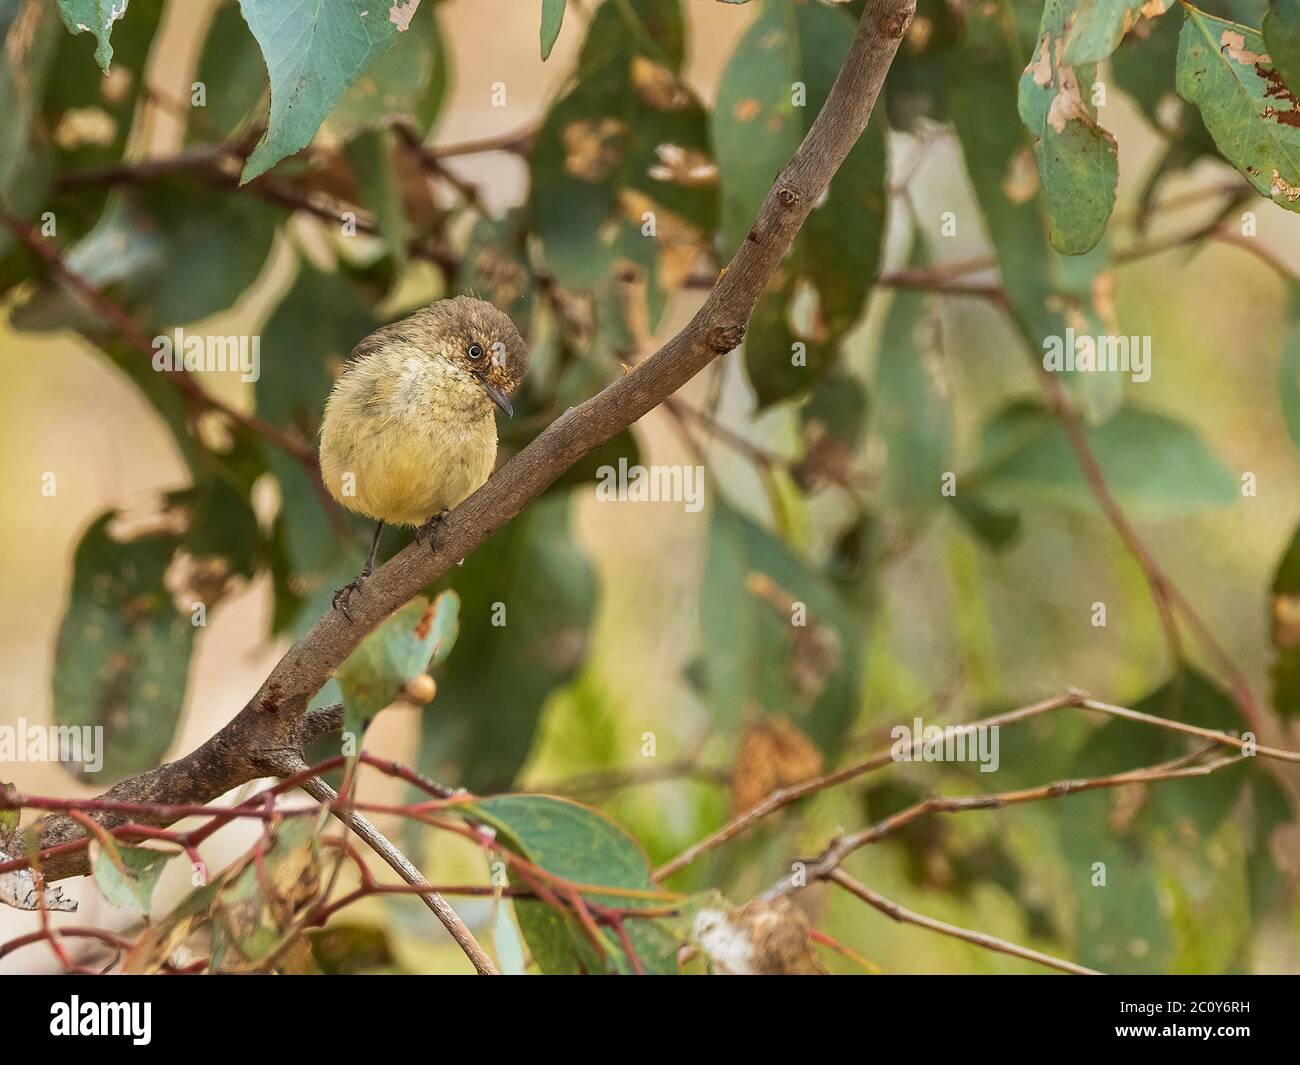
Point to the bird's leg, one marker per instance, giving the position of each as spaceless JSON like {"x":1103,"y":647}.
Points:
{"x":344,"y":594}
{"x":424,"y":534}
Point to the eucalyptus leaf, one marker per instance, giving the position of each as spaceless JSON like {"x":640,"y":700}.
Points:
{"x":314,"y":50}
{"x":621,"y":168}
{"x":1078,"y":161}
{"x":95,"y":17}
{"x":127,"y":876}
{"x":1224,"y":70}
{"x":552,"y":17}
{"x":580,"y":844}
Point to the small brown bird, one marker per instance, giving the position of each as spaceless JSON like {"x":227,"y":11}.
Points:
{"x":409,"y":430}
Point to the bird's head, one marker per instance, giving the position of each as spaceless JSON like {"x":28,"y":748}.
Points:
{"x":483,"y":342}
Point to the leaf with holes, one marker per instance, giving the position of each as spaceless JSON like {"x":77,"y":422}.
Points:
{"x":95,"y":17}
{"x":1078,"y":161}
{"x":1255,"y":120}
{"x":622,"y":172}
{"x":1046,"y":291}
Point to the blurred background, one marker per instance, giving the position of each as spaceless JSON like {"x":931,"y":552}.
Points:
{"x":646,"y":644}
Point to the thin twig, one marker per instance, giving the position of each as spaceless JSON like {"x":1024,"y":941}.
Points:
{"x":321,"y":791}
{"x":900,"y":913}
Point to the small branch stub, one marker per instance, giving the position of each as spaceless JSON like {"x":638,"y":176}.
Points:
{"x":724,"y":338}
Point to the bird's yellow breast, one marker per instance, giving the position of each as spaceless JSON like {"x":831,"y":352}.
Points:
{"x":405,"y":437}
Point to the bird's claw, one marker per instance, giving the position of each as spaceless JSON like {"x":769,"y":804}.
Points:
{"x":344,"y":595}
{"x":424,"y":534}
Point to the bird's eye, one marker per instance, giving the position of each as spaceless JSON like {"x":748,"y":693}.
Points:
{"x":476,"y":351}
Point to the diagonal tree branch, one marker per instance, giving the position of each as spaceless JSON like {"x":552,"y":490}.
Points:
{"x":265,"y":737}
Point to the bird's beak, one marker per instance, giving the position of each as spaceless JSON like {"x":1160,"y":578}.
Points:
{"x":498,"y":397}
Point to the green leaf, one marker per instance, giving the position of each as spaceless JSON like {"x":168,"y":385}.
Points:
{"x":580,"y":844}
{"x":1205,"y":802}
{"x":126,"y":876}
{"x":314,"y":50}
{"x":1099,"y":26}
{"x":353,"y":948}
{"x":777,"y":638}
{"x":755,"y":126}
{"x":1282,"y":37}
{"x":1078,"y":161}
{"x":95,"y":17}
{"x":527,"y":599}
{"x":1045,"y":291}
{"x":552,"y":17}
{"x":1152,"y":463}
{"x":626,"y":148}
{"x":1252,"y":115}
{"x":412,"y":640}
{"x":123,"y":651}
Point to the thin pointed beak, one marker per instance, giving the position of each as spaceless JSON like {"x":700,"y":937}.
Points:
{"x":498,"y":397}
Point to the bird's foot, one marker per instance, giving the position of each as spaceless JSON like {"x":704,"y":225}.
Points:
{"x":424,"y":534}
{"x":344,"y":595}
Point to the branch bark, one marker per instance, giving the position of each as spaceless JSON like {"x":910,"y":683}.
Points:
{"x":266,"y":737}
